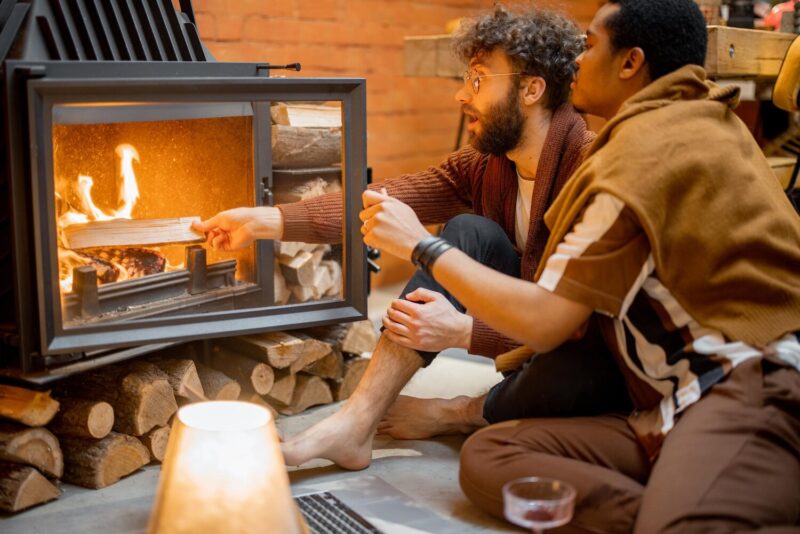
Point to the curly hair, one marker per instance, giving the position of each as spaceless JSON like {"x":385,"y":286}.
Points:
{"x":538,"y":42}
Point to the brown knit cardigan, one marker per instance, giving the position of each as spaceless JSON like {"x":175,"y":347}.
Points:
{"x":466,"y":182}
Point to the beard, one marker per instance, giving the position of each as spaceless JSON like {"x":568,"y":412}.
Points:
{"x":502,"y":126}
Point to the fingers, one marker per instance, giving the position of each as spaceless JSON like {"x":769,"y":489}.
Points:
{"x":371,"y":198}
{"x":395,"y":327}
{"x":398,"y":316}
{"x":405,"y":306}
{"x":400,"y":340}
{"x":207,"y":226}
{"x":422,"y":294}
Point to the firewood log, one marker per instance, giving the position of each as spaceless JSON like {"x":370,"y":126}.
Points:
{"x":31,"y":446}
{"x":302,"y":294}
{"x":22,"y":486}
{"x":32,"y":408}
{"x":353,"y":371}
{"x":129,"y":232}
{"x":250,"y":373}
{"x":286,"y":192}
{"x":218,"y":385}
{"x":335,"y":271}
{"x":83,"y":418}
{"x":156,"y":442}
{"x":248,"y":395}
{"x":305,"y":148}
{"x":322,"y":282}
{"x":313,"y":350}
{"x":99,"y":463}
{"x":330,"y":366}
{"x":282,"y":292}
{"x":298,"y":269}
{"x":309,"y":391}
{"x":139,"y":392}
{"x":306,"y":115}
{"x":352,"y":338}
{"x":318,"y":253}
{"x":283,"y":388}
{"x":288,"y":248}
{"x":183,"y":377}
{"x":278,"y":349}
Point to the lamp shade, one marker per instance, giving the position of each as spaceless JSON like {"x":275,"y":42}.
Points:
{"x":224,"y":472}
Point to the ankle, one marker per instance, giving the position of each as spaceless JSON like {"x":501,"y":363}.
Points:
{"x":468,"y":411}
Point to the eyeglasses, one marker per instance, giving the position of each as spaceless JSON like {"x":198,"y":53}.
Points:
{"x":475,"y":80}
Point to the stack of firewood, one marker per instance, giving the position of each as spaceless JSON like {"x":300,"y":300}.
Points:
{"x":305,"y":271}
{"x":105,"y":424}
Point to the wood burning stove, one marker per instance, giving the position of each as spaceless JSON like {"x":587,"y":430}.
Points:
{"x":119,"y":128}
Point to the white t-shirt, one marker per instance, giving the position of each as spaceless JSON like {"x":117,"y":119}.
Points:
{"x":523,"y":212}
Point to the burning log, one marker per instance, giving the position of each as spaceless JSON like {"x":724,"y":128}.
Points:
{"x":83,"y":418}
{"x":97,"y":464}
{"x":22,"y":487}
{"x":32,"y":408}
{"x":31,"y":446}
{"x":129,"y":232}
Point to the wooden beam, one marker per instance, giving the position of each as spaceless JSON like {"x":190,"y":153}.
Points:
{"x":130,"y":232}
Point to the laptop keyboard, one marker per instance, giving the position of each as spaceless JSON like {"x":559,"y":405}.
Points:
{"x":325,"y":514}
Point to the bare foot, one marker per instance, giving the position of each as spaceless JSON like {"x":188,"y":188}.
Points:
{"x":413,"y":418}
{"x":340,"y":438}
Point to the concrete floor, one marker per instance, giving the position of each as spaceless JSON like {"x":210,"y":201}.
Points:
{"x":425,"y":471}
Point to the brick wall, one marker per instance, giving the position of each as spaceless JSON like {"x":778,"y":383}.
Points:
{"x":411,"y":122}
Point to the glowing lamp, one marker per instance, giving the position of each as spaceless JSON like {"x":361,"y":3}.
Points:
{"x":224,"y":472}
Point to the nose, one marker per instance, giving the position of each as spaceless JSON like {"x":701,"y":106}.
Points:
{"x":463,"y":96}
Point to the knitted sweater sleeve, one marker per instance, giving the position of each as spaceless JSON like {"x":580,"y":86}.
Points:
{"x":436,"y":195}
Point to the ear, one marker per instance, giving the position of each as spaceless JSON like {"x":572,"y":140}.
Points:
{"x":633,"y":64}
{"x":534,"y":91}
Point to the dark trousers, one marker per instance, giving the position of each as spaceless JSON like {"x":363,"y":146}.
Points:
{"x":579,"y":378}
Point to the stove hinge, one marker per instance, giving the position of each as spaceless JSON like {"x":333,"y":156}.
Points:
{"x":264,"y":191}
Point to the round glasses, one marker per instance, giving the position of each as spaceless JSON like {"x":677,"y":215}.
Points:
{"x":538,"y":503}
{"x":475,"y":79}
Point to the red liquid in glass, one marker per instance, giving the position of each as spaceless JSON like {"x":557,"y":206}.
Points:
{"x":539,"y":515}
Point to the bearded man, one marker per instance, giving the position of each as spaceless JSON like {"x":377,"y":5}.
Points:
{"x":526,"y":140}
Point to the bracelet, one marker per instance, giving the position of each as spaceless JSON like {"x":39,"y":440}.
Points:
{"x":428,"y":251}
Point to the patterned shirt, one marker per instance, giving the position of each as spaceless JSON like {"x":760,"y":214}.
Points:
{"x":669,"y":360}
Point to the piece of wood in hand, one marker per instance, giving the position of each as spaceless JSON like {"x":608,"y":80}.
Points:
{"x":26,"y":406}
{"x":298,"y":269}
{"x":249,"y":373}
{"x":307,"y":115}
{"x":31,"y":446}
{"x":130,"y":232}
{"x":139,"y":392}
{"x":156,"y":442}
{"x":22,"y":486}
{"x":183,"y":377}
{"x":354,"y":369}
{"x":278,"y":349}
{"x":330,"y":366}
{"x":217,"y":385}
{"x":303,"y":148}
{"x":83,"y":418}
{"x":283,"y":388}
{"x":99,"y":463}
{"x":309,"y":391}
{"x":313,"y":350}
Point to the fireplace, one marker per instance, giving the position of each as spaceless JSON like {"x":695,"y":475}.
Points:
{"x":119,"y":129}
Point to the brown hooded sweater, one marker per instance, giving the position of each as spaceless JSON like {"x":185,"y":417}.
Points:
{"x":467,"y":182}
{"x":725,"y":239}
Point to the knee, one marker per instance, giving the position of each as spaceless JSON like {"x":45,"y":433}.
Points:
{"x":471,"y":226}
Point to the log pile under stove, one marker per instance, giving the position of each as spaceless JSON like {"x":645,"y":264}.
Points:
{"x":98,"y":427}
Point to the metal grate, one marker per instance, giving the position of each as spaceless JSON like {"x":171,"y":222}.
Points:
{"x":116,"y":30}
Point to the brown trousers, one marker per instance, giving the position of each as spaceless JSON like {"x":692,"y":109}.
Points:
{"x":731,"y":463}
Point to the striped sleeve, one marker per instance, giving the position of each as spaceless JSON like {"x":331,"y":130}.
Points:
{"x":604,"y":259}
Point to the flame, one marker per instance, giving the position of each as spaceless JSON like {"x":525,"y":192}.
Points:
{"x":129,"y":192}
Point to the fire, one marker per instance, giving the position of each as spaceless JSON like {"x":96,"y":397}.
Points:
{"x":113,"y":265}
